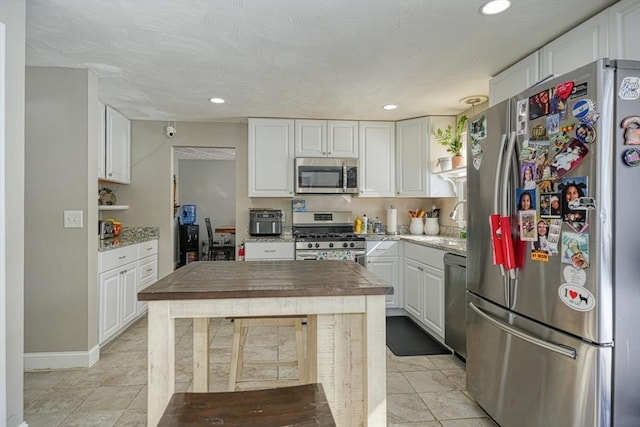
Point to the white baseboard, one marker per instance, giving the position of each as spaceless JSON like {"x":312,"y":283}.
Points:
{"x":61,"y":360}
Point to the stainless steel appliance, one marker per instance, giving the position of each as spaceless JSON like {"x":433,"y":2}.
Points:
{"x":326,"y":236}
{"x":105,"y":229}
{"x":325,"y":175}
{"x":455,"y":286}
{"x":553,"y":295}
{"x":265,"y":222}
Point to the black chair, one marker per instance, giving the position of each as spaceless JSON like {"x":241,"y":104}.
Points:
{"x":210,"y":251}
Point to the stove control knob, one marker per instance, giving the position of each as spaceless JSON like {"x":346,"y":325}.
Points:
{"x":344,"y":245}
{"x":352,"y":244}
{"x":317,"y":245}
{"x":310,"y":245}
{"x":330,"y":245}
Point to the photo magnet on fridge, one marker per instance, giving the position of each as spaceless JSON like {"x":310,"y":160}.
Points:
{"x":569,"y":157}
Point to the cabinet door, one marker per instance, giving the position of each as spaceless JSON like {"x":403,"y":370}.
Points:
{"x":433,"y":299}
{"x":342,"y":138}
{"x":270,"y":155}
{"x":255,"y":251}
{"x":584,"y":44}
{"x":515,"y":79}
{"x":411,"y":158}
{"x":377,"y":159}
{"x":387,"y":269}
{"x":118,"y":151}
{"x":624,"y":30}
{"x":128,"y":292}
{"x":108,"y":316}
{"x":413,"y":288}
{"x":102,"y":140}
{"x":311,"y":138}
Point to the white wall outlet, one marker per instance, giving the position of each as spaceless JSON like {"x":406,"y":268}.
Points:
{"x":72,"y":219}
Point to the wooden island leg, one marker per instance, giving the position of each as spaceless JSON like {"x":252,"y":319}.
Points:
{"x":201,"y":354}
{"x":161,"y":360}
{"x":375,"y":380}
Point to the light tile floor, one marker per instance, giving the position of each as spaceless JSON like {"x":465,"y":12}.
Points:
{"x":427,"y":391}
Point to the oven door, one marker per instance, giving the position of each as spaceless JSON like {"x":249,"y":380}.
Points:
{"x":332,"y":255}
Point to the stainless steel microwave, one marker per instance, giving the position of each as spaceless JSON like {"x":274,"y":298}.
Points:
{"x":325,"y":175}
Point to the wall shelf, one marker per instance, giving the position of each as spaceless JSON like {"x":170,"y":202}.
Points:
{"x":113,"y":207}
{"x":453,"y":173}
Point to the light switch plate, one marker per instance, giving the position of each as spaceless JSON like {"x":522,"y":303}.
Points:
{"x":72,"y":219}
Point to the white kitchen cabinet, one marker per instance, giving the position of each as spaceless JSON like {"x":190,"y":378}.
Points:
{"x":417,"y":153}
{"x":117,"y":303}
{"x":584,"y":44}
{"x":515,"y":79}
{"x":624,"y":30}
{"x":270,"y":155}
{"x":376,"y":174}
{"x":117,"y":147}
{"x":382,"y":260}
{"x":122,"y":273}
{"x":102,"y":141}
{"x":423,"y":278}
{"x":147,"y":269}
{"x":269,"y":251}
{"x":326,"y":138}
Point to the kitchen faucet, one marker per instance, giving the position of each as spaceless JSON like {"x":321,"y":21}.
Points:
{"x":454,"y":213}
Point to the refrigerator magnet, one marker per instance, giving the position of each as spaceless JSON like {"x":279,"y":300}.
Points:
{"x":629,"y":89}
{"x":631,"y":126}
{"x":574,"y":276}
{"x":539,"y":105}
{"x":631,"y":157}
{"x":553,"y":124}
{"x":585,"y":111}
{"x":585,"y":133}
{"x":477,"y":161}
{"x":569,"y":157}
{"x":527,"y":221}
{"x":575,"y":249}
{"x":563,"y":90}
{"x":576,"y":297}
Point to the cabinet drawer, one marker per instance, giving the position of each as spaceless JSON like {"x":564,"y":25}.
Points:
{"x":147,"y":248}
{"x":148,"y":268}
{"x":268,"y":250}
{"x":382,"y":248}
{"x":424,"y":254}
{"x":117,"y":257}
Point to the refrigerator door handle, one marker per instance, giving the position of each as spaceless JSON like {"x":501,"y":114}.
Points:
{"x":564,"y":351}
{"x":504,"y":205}
{"x":496,"y":188}
{"x":496,"y":233}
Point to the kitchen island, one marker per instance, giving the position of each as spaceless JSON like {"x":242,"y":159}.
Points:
{"x":344,"y":305}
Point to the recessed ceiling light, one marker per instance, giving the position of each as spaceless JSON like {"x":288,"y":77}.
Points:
{"x":216,"y":100}
{"x":390,"y":107}
{"x":494,"y":7}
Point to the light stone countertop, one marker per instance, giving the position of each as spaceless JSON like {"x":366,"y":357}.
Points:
{"x":129,"y":236}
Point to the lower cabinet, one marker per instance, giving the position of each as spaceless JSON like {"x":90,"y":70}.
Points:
{"x":423,"y":276}
{"x":122,"y":274}
{"x":382,"y":260}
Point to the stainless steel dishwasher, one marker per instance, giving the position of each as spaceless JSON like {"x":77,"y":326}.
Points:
{"x":455,"y":286}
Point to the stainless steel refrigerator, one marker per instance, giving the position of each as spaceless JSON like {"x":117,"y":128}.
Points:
{"x":553,"y":290}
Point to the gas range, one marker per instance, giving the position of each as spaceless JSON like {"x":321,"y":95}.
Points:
{"x":326,"y":235}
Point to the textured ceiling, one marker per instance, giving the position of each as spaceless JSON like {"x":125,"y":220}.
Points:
{"x":163,"y":59}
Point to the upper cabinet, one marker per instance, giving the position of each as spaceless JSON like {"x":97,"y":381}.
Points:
{"x":102,"y":141}
{"x":270,"y":155}
{"x":624,"y":30}
{"x":326,"y":138}
{"x":584,"y":44}
{"x":612,"y":33}
{"x":514,"y":79}
{"x":117,"y":148}
{"x":416,"y":155}
{"x":376,"y":174}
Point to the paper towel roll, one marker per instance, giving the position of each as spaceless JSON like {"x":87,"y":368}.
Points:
{"x":392,"y":221}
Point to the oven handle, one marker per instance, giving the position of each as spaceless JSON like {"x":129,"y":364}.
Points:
{"x":309,"y":256}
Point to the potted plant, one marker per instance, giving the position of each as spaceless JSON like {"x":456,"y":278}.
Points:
{"x":453,"y":141}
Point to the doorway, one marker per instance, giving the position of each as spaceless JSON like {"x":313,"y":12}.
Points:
{"x":205,"y":178}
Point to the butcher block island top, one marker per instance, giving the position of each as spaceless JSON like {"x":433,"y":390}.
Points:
{"x":344,"y":305}
{"x":266,"y":279}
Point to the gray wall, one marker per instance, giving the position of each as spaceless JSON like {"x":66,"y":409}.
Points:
{"x":211,"y":186}
{"x":12,"y":14}
{"x":149,"y":195}
{"x":60,"y":263}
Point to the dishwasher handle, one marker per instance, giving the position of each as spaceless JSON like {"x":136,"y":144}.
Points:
{"x":455,"y":259}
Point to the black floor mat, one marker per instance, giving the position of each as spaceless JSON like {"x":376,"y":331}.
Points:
{"x":405,"y":338}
